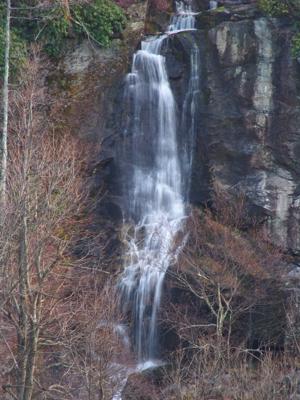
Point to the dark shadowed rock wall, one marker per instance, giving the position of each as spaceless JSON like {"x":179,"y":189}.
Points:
{"x":251,"y":113}
{"x":248,"y":131}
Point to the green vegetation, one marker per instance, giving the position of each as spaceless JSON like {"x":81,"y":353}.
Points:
{"x":289,"y":8}
{"x":98,"y":20}
{"x":52,"y":29}
{"x":296,"y":45}
{"x":18,"y":51}
{"x":274,"y":8}
{"x":18,"y":46}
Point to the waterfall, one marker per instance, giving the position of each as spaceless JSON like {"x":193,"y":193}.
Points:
{"x":154,"y":192}
{"x":188,"y":119}
{"x":184,"y":19}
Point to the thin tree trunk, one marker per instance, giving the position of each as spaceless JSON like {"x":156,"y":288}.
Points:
{"x":5,"y":110}
{"x":31,"y":361}
{"x":32,"y":344}
{"x":24,"y":323}
{"x":23,"y":313}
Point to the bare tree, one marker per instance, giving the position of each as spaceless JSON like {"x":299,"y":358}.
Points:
{"x":91,"y":350}
{"x":44,"y":198}
{"x":3,"y":166}
{"x":228,"y":277}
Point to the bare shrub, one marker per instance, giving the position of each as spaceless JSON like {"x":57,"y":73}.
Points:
{"x":203,"y":377}
{"x":227,"y":276}
{"x":90,"y":346}
{"x":227,"y":306}
{"x":50,"y":332}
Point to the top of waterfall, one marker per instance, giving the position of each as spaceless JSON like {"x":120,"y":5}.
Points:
{"x":184,"y":19}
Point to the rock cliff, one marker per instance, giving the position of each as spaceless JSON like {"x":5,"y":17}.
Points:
{"x":251,"y":118}
{"x":247,"y":119}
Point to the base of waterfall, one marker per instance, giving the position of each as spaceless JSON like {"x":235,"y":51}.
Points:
{"x":124,"y":374}
{"x":144,"y":365}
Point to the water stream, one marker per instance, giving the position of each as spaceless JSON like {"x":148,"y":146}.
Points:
{"x":156,"y":200}
{"x":184,"y":18}
{"x":156,"y":185}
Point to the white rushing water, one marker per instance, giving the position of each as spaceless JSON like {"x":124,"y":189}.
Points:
{"x":184,"y":19}
{"x":188,"y":120}
{"x":155,"y":195}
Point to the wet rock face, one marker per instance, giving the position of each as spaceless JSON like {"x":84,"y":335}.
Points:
{"x":252,"y":119}
{"x":248,"y":130}
{"x":247,"y":112}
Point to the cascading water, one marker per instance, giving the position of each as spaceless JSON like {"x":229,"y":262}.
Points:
{"x":156,"y":200}
{"x":188,"y":120}
{"x":184,"y":19}
{"x":155,"y":189}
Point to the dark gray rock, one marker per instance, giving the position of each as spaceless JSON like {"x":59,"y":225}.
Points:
{"x":248,"y":128}
{"x":252,"y":120}
{"x":248,"y":109}
{"x":248,"y":115}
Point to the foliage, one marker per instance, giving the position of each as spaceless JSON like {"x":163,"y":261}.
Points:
{"x":98,"y":20}
{"x":18,"y":47}
{"x":52,"y":29}
{"x":18,"y":52}
{"x":296,"y":45}
{"x":291,"y":8}
{"x":274,"y":8}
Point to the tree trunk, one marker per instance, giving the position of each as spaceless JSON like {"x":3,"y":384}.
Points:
{"x":23,"y":312}
{"x":32,"y":344}
{"x":31,"y":361}
{"x":5,"y":109}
